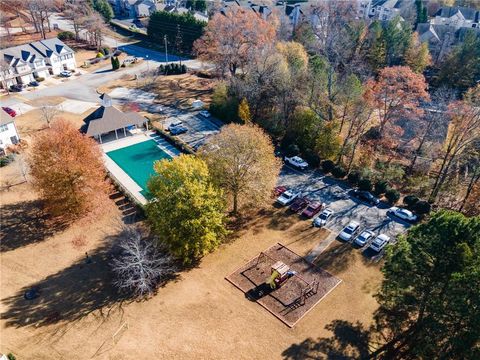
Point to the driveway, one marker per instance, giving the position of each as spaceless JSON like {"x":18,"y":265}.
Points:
{"x":316,"y":186}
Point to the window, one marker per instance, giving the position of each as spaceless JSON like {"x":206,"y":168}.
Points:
{"x":3,"y":128}
{"x":14,"y":140}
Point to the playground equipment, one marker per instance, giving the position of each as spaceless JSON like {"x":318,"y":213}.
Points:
{"x":280,"y":273}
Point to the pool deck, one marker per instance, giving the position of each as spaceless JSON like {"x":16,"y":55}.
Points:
{"x":121,"y":176}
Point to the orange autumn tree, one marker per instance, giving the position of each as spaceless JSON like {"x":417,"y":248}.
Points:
{"x":231,"y":40}
{"x":396,"y":93}
{"x":67,"y":170}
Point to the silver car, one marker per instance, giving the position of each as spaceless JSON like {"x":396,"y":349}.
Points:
{"x":379,"y":242}
{"x":364,"y":237}
{"x":323,"y":218}
{"x":349,"y":231}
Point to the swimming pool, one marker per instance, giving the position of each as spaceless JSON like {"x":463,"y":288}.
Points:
{"x":137,"y":161}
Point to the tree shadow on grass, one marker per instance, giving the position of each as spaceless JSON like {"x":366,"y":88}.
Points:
{"x":68,"y":295}
{"x":25,"y":223}
{"x":349,"y":341}
{"x":336,"y":259}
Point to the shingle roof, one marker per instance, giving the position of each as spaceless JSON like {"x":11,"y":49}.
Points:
{"x":467,"y":13}
{"x":106,"y":119}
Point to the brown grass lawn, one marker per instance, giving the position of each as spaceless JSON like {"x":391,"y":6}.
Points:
{"x":198,"y":316}
{"x":32,"y":122}
{"x":181,"y":90}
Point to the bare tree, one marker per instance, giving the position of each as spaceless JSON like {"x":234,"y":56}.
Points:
{"x":49,"y":113}
{"x":77,"y":13}
{"x":95,"y":26}
{"x":141,"y":265}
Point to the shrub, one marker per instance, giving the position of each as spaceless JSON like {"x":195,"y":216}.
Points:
{"x":327,"y":166}
{"x":354,"y":177}
{"x":66,"y":35}
{"x":106,"y":51}
{"x":339,"y":172}
{"x":410,"y":200}
{"x":422,"y":207}
{"x":292,"y":150}
{"x":365,"y":184}
{"x":10,"y":356}
{"x":40,"y":79}
{"x":5,"y":160}
{"x":184,"y":69}
{"x":99,"y":55}
{"x":392,"y":196}
{"x":380,"y":187}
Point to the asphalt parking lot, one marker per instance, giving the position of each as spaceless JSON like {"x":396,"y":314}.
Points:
{"x":199,"y":127}
{"x":318,"y":187}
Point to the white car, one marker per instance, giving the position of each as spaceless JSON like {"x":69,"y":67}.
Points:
{"x":364,"y":237}
{"x":323,"y":218}
{"x":66,"y":73}
{"x":379,"y":242}
{"x":287,"y":197}
{"x":297,"y":162}
{"x":403,"y":214}
{"x":174,"y":124}
{"x":349,"y":231}
{"x":205,"y":113}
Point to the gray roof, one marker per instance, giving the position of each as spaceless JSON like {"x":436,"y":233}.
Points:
{"x":50,"y":46}
{"x":468,"y":13}
{"x":106,"y":119}
{"x":5,"y":118}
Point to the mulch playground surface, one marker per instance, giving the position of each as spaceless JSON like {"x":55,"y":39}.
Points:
{"x":286,"y":302}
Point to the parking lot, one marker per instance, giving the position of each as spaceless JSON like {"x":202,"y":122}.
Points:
{"x":318,"y":187}
{"x":199,"y":127}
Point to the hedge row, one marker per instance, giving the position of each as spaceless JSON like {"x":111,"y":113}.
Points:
{"x":379,"y":187}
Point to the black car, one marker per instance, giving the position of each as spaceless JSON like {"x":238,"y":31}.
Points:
{"x":366,"y":197}
{"x":16,"y":88}
{"x":177,"y":130}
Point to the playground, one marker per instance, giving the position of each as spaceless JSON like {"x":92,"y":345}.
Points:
{"x":284,"y":283}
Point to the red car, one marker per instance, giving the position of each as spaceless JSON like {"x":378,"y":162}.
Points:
{"x":313,"y":209}
{"x":279,"y":190}
{"x":9,"y":111}
{"x":299,"y":204}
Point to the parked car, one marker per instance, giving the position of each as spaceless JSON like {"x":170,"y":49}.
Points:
{"x":366,"y":197}
{"x":66,"y":73}
{"x":16,"y":87}
{"x":379,"y":242}
{"x":9,"y":111}
{"x":177,"y":130}
{"x":323,"y":218}
{"x":174,"y":125}
{"x":279,"y":190}
{"x":313,"y":209}
{"x":299,"y":204}
{"x":287,"y":197}
{"x":296,"y":162}
{"x":403,"y":214}
{"x":364,"y":237}
{"x":205,"y":114}
{"x":34,"y":83}
{"x":349,"y":231}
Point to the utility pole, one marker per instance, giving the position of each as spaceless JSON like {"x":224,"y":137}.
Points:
{"x":166,"y":52}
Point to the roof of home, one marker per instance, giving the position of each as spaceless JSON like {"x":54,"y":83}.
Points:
{"x":50,"y":46}
{"x":108,"y":118}
{"x":5,"y":118}
{"x":467,"y":13}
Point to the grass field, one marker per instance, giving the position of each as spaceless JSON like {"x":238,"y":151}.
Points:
{"x":198,"y":316}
